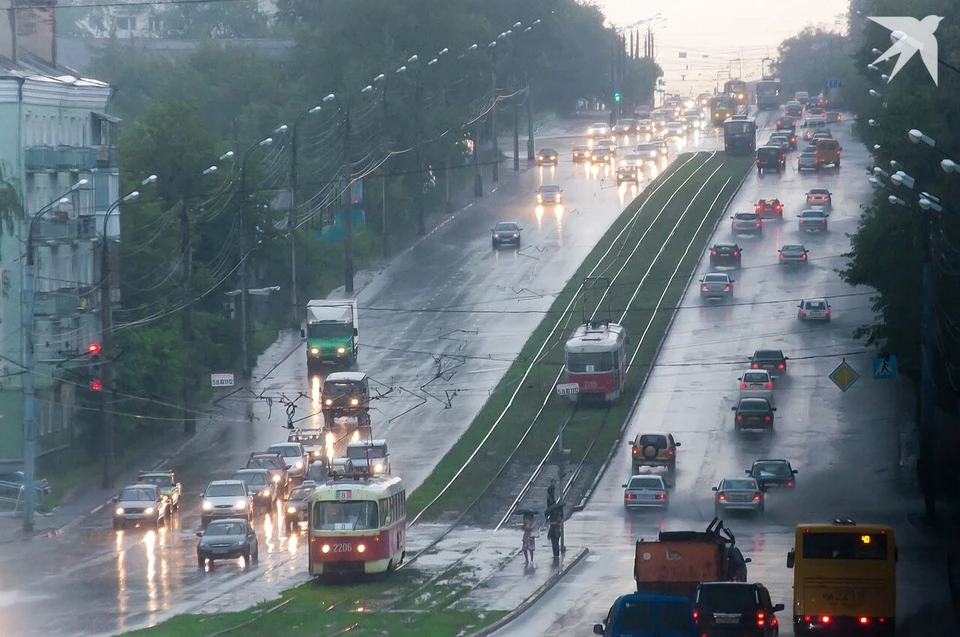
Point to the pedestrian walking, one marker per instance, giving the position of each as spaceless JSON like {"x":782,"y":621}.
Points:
{"x":552,"y":493}
{"x":529,"y":542}
{"x":555,"y":517}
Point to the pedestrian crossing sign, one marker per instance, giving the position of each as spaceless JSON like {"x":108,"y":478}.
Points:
{"x":844,"y":376}
{"x":885,"y":368}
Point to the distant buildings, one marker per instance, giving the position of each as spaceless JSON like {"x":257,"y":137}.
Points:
{"x":54,"y":132}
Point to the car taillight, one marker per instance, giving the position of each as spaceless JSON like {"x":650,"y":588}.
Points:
{"x":804,"y":257}
{"x":782,"y":366}
{"x":778,"y":207}
{"x":743,"y":385}
{"x":628,"y":496}
{"x":755,"y":366}
{"x":635,"y":451}
{"x":769,"y":385}
{"x":740,"y":418}
{"x":825,"y":619}
{"x":726,"y":288}
{"x":670,"y":452}
{"x":713,"y":253}
{"x":722,"y":496}
{"x":827,"y":313}
{"x":758,"y":223}
{"x":696,"y":615}
{"x":790,"y":483}
{"x":736,"y":253}
{"x":864,"y":620}
{"x":761,"y":618}
{"x":756,"y":497}
{"x":703,"y":288}
{"x":734,"y":223}
{"x":803,"y":312}
{"x":781,"y":256}
{"x":661,"y":496}
{"x":767,"y":419}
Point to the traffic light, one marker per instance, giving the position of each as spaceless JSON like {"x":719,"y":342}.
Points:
{"x":616,"y":96}
{"x":660,"y":84}
{"x":93,"y":349}
{"x":96,"y":385}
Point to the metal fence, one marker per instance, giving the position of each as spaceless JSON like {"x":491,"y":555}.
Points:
{"x":12,"y":494}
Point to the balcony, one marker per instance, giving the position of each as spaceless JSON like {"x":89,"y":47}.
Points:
{"x":40,"y":159}
{"x":107,"y":157}
{"x":48,"y":230}
{"x":60,"y":158}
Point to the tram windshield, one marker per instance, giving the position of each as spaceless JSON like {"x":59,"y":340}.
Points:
{"x":345,"y":516}
{"x":589,"y":362}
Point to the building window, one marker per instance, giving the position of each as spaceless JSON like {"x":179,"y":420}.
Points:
{"x":127,"y":24}
{"x":155,"y":25}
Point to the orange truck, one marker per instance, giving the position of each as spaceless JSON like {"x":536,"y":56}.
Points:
{"x":676,"y":562}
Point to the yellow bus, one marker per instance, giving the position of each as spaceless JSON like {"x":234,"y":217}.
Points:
{"x":844,"y":579}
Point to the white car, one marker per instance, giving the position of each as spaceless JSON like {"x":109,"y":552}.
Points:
{"x":645,"y":492}
{"x":813,"y":220}
{"x":820,"y":197}
{"x":371,"y":456}
{"x":756,"y":383}
{"x":738,"y":494}
{"x":225,"y":499}
{"x":813,"y":310}
{"x":294,"y":456}
{"x":597,"y":129}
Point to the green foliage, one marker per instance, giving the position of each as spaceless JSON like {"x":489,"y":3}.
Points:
{"x":11,"y":205}
{"x":236,"y":19}
{"x":640,"y":81}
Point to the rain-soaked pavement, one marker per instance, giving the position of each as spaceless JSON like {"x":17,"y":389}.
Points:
{"x":845,"y":445}
{"x":440,"y":366}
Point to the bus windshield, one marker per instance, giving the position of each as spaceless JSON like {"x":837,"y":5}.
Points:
{"x":589,"y":362}
{"x":345,"y":516}
{"x":329,"y":330}
{"x":738,"y":127}
{"x":845,"y":546}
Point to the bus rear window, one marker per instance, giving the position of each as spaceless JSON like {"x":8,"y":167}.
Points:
{"x":844,"y":546}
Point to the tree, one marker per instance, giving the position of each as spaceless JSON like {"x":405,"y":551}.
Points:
{"x":235,"y":19}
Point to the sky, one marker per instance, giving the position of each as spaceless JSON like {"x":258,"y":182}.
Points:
{"x":735,"y":36}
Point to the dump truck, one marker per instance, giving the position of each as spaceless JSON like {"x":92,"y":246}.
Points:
{"x":331,"y":333}
{"x":678,"y":561}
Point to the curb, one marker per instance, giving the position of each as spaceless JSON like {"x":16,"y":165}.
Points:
{"x":646,"y":377}
{"x":524,"y":606}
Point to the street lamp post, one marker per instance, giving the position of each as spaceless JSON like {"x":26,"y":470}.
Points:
{"x":29,"y":391}
{"x":492,"y":47}
{"x":245,"y":367}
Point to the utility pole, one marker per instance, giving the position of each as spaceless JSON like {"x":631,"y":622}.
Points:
{"x":493,"y":118}
{"x":186,"y":320}
{"x":531,"y":152}
{"x":516,"y":136}
{"x":293,"y":220}
{"x":347,"y":202}
{"x":245,"y":366}
{"x":478,"y":178}
{"x":107,"y":417}
{"x":417,"y":90}
{"x":928,"y":438}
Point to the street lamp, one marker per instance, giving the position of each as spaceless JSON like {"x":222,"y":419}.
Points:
{"x":873,"y":123}
{"x":880,"y":172}
{"x":873,"y":93}
{"x":950,"y":166}
{"x":29,"y":391}
{"x":901,"y":178}
{"x":917,"y":136}
{"x":244,"y":283}
{"x":897,"y":201}
{"x":873,"y":67}
{"x":929,"y":204}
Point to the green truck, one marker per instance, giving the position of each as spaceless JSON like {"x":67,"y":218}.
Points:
{"x":331,"y":333}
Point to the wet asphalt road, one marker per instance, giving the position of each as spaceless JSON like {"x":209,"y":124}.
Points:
{"x":845,"y":445}
{"x":435,"y":369}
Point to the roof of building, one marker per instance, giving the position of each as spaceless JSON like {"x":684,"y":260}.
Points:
{"x":30,"y":67}
{"x":80,"y":52}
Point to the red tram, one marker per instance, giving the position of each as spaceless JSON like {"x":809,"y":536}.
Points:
{"x":595,"y":358}
{"x":357,"y":525}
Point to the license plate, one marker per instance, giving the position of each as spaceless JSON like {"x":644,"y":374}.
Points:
{"x":728,"y":620}
{"x":219,"y":551}
{"x":844,"y":595}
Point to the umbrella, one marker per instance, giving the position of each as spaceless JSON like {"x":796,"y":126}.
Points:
{"x":525,"y":512}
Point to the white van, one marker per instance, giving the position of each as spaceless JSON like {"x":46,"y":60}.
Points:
{"x":814,"y":126}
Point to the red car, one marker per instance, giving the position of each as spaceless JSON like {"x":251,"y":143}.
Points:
{"x":769,"y":209}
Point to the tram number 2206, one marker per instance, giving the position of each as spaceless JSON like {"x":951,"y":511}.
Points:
{"x":342,"y":547}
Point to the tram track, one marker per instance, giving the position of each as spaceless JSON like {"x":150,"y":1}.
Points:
{"x":624,"y":241}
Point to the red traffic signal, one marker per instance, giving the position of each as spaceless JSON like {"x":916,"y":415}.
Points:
{"x":93,"y":348}
{"x":96,"y":385}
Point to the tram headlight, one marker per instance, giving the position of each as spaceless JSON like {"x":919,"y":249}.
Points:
{"x":361,"y":548}
{"x":328,"y":402}
{"x":325,"y":548}
{"x":354,"y":402}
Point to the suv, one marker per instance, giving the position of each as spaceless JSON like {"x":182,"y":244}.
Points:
{"x":369,"y":455}
{"x":735,"y":608}
{"x":771,"y":360}
{"x":345,"y":394}
{"x":140,"y":503}
{"x":272,"y":462}
{"x":258,"y":483}
{"x":166,"y":481}
{"x":725,"y":254}
{"x":313,"y":441}
{"x":649,"y":616}
{"x":769,"y":209}
{"x":771,"y":158}
{"x":295,"y":457}
{"x":225,"y":499}
{"x":653,"y":450}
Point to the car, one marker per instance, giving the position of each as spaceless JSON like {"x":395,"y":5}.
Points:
{"x":295,"y":457}
{"x":834,"y":116}
{"x":582,"y":154}
{"x":813,"y":310}
{"x":645,"y":126}
{"x":166,"y":481}
{"x":738,"y":494}
{"x":629,"y":173}
{"x":787,"y":123}
{"x":295,"y":508}
{"x":756,"y":383}
{"x":603,"y":154}
{"x":753,"y":413}
{"x":372,"y":456}
{"x":725,"y":254}
{"x":789,"y":135}
{"x":227,"y":539}
{"x":506,"y":232}
{"x":140,"y":504}
{"x":771,"y":157}
{"x":735,"y":608}
{"x":657,"y":450}
{"x":813,"y":220}
{"x":272,"y":462}
{"x":808,"y":161}
{"x":820,"y":197}
{"x":771,"y":360}
{"x":642,"y":111}
{"x":642,"y":492}
{"x":746,"y":223}
{"x":549,"y":193}
{"x":824,"y":134}
{"x":345,"y":395}
{"x":547,"y":157}
{"x":319,"y":470}
{"x":693,"y":122}
{"x":313,"y":441}
{"x":773,"y":474}
{"x":637,"y":615}
{"x":20,"y":479}
{"x":793,"y":109}
{"x":598,"y":129}
{"x":815,"y":112}
{"x":225,"y":499}
{"x":783,"y":141}
{"x":625,"y":126}
{"x":792,"y":253}
{"x":769,"y":208}
{"x":716,"y":285}
{"x":675,"y":130}
{"x":264,"y":490}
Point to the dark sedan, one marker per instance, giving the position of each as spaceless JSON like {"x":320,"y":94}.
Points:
{"x":725,"y":254}
{"x":753,"y":413}
{"x":227,"y":539}
{"x":506,"y":232}
{"x":773,"y":473}
{"x":295,"y":509}
{"x":547,"y":157}
{"x":771,"y":360}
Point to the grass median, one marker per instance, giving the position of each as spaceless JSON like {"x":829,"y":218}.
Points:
{"x":378,"y":607}
{"x":688,"y":177}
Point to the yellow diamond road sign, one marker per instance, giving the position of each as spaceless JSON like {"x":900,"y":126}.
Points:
{"x":844,"y":376}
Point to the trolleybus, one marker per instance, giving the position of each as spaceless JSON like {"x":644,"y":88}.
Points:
{"x":356,"y":525}
{"x":740,"y":134}
{"x":595,"y":358}
{"x":737,"y":89}
{"x":844,"y":579}
{"x":768,"y":94}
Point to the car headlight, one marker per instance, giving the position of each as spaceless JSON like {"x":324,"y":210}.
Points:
{"x":496,"y":235}
{"x":316,"y":453}
{"x":298,"y":464}
{"x":539,"y":197}
{"x":239,"y":505}
{"x":378,"y":468}
{"x":328,"y":402}
{"x":119,"y":511}
{"x":314,"y":350}
{"x":276,"y":477}
{"x":265,"y":493}
{"x":354,"y":402}
{"x":207,"y":506}
{"x":148,"y":510}
{"x":341,"y":350}
{"x":291,"y":509}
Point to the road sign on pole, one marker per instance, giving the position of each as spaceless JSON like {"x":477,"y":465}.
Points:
{"x":885,"y":368}
{"x":568,"y":389}
{"x":833,"y":84}
{"x":844,"y":376}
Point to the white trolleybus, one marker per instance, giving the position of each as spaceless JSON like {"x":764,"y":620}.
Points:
{"x":356,"y":524}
